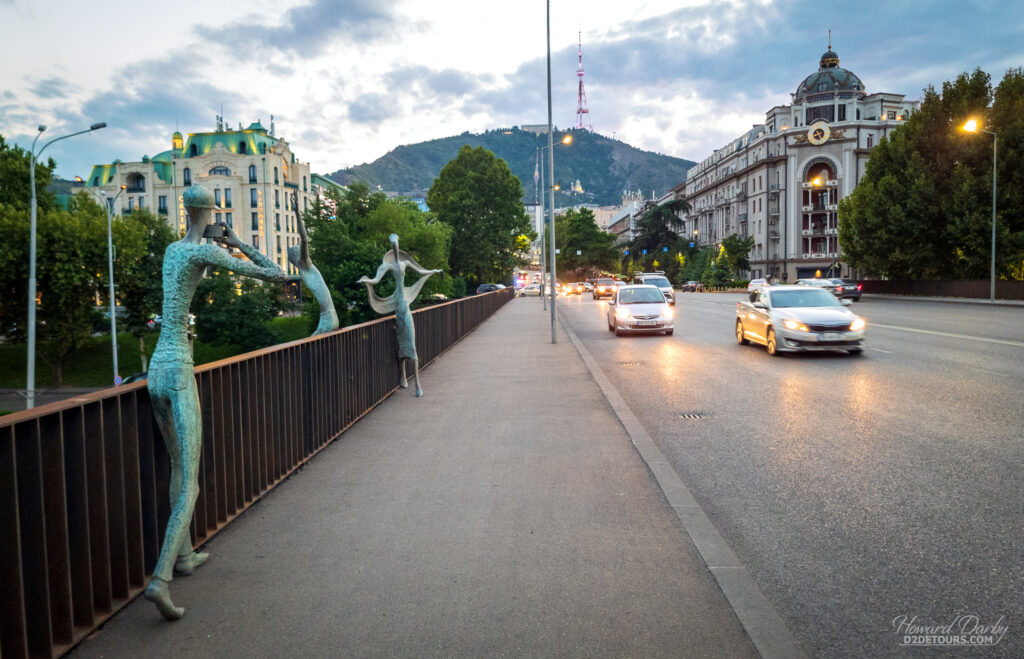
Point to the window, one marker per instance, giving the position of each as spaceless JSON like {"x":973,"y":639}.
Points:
{"x":227,"y":218}
{"x":303,"y":183}
{"x":131,"y":204}
{"x":216,"y":196}
{"x":186,"y":176}
{"x":220,"y":171}
{"x":263,"y":147}
{"x":161,"y":204}
{"x":821,"y":112}
{"x":891,"y":115}
{"x":227,"y":197}
{"x":277,"y":197}
{"x":252,"y":173}
{"x":305,"y":203}
{"x":253,"y":197}
{"x":277,"y":221}
{"x":842,"y":113}
{"x":871,"y":141}
{"x":142,"y":201}
{"x":256,"y":242}
{"x":276,"y":180}
{"x":216,"y":218}
{"x":193,"y":150}
{"x":95,"y":180}
{"x":243,"y":148}
{"x":255,"y":221}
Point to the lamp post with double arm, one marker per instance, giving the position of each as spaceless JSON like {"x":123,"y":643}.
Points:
{"x":30,"y":378}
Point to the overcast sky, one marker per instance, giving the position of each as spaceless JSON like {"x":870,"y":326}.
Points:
{"x":349,"y":80}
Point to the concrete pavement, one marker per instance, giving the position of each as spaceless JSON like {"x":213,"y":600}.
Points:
{"x":505,"y":513}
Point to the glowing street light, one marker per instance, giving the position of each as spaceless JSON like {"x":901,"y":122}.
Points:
{"x":971,"y":126}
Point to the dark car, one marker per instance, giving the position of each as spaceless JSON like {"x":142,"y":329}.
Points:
{"x":604,"y":287}
{"x":692,"y":286}
{"x":829,"y":285}
{"x":851,"y":289}
{"x":487,"y":288}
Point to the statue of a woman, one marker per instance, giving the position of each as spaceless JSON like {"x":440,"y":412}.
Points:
{"x":298,"y":255}
{"x":395,"y":262}
{"x":172,"y":383}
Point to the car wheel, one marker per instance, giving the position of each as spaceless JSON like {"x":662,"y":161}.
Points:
{"x":855,"y":351}
{"x":740,"y":336}
{"x":772,"y":348}
{"x":618,"y":332}
{"x":611,"y":327}
{"x":669,"y":332}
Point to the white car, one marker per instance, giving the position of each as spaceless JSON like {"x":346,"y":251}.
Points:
{"x":756,"y":284}
{"x":642,"y":309}
{"x":530,"y":289}
{"x":796,"y":318}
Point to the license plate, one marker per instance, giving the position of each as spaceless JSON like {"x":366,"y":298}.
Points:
{"x":830,"y":336}
{"x":646,"y":323}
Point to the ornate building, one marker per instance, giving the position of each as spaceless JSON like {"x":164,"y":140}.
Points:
{"x":251,"y":172}
{"x":781,"y":181}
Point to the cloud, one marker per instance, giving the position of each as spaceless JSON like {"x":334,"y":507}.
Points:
{"x":372,"y":108}
{"x":53,"y":87}
{"x":307,"y":30}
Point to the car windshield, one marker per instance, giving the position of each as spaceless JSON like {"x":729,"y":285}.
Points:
{"x":657,"y":281}
{"x":640,"y":296}
{"x":804,"y":298}
{"x":605,"y":282}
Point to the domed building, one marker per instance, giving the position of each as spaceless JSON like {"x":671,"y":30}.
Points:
{"x":782,"y":180}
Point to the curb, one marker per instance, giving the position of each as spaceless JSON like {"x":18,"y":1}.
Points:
{"x":949,"y":300}
{"x":766,"y":629}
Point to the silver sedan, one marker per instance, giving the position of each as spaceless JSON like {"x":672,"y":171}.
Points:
{"x":794,"y":318}
{"x":640,"y":308}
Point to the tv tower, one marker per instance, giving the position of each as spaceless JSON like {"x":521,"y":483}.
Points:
{"x":581,"y":99}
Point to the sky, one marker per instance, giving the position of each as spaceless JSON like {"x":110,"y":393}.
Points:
{"x":349,"y":80}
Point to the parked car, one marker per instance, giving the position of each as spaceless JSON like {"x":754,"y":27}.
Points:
{"x":827,"y":284}
{"x":851,"y":289}
{"x":795,"y":318}
{"x":658,"y":279}
{"x":756,"y":284}
{"x":604,"y":287}
{"x":640,"y":308}
{"x":487,"y":288}
{"x":530,"y":289}
{"x":588,"y":287}
{"x":692,"y":286}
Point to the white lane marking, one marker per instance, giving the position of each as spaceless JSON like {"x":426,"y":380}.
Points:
{"x":950,"y":334}
{"x":983,"y":370}
{"x":888,"y":352}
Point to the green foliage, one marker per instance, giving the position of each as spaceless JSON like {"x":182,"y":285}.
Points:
{"x":480,"y":199}
{"x":234,"y":310}
{"x":577,"y":230}
{"x":14,"y":179}
{"x":657,"y":232}
{"x":605,"y":167}
{"x":737,"y":251}
{"x":923,"y":208}
{"x":138,"y":272}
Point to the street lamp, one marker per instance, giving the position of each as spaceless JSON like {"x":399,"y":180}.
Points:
{"x":30,"y":379}
{"x":109,"y":203}
{"x":566,"y":140}
{"x":972,"y":127}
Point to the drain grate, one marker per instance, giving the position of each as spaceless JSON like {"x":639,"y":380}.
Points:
{"x":693,"y":415}
{"x":629,"y":363}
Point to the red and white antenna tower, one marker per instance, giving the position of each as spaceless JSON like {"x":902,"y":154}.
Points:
{"x":581,"y":99}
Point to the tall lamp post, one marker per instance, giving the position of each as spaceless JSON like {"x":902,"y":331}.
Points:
{"x":566,"y":140}
{"x":972,"y":127}
{"x":109,"y":203}
{"x":551,"y":180}
{"x":30,"y":379}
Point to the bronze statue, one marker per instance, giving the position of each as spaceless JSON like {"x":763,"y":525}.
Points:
{"x":298,"y":255}
{"x":172,"y":384}
{"x":395,"y":262}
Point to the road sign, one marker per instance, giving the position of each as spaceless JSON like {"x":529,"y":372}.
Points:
{"x":664,"y":249}
{"x":579,"y":253}
{"x":691,"y":244}
{"x":118,"y":380}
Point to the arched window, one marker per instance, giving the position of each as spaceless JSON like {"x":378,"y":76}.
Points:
{"x":303,"y":183}
{"x":220,"y":170}
{"x":136,"y":182}
{"x":252,"y":173}
{"x":193,"y":150}
{"x":186,"y":176}
{"x":263,"y":147}
{"x":276,"y":180}
{"x":243,"y":148}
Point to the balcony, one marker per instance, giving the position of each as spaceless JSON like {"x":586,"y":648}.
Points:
{"x":773,"y":210}
{"x":805,"y":232}
{"x":773,"y":188}
{"x":774,"y":235}
{"x":832,"y":183}
{"x":832,"y":207}
{"x":742,"y":217}
{"x":807,"y":208}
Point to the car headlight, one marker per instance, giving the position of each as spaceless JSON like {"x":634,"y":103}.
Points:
{"x":789,"y":323}
{"x":857,"y":324}
{"x":667,"y":313}
{"x":623,"y":314}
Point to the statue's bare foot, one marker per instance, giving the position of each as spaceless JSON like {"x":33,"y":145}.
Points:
{"x":156,"y":592}
{"x":419,"y":393}
{"x":186,"y":565}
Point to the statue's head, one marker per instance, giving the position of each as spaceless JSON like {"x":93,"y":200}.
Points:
{"x":197,"y":196}
{"x":393,"y":238}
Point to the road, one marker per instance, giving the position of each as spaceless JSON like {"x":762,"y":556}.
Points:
{"x":857,"y":490}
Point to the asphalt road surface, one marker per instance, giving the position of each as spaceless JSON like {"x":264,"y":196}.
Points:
{"x":865,"y":494}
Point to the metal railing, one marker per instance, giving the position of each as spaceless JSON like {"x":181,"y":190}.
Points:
{"x":84,"y":482}
{"x":1005,"y":290}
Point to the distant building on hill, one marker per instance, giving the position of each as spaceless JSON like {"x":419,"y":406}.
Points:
{"x":251,"y":172}
{"x":781,"y":181}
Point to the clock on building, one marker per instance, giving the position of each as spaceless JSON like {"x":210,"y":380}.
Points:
{"x":818,"y":133}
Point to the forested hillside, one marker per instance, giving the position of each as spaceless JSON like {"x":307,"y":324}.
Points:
{"x":604,"y":167}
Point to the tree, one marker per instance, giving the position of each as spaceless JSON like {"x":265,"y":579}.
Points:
{"x":14,"y":179}
{"x":657,"y":232}
{"x":235,"y":310}
{"x":479,"y":197}
{"x":737,"y":251}
{"x":577,"y":230}
{"x":923,"y":208}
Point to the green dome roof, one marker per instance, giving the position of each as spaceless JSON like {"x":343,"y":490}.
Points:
{"x":829,"y":77}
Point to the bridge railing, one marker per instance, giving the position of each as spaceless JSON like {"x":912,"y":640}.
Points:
{"x":84,"y":482}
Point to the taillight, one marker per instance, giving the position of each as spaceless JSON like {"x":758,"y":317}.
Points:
{"x":860,"y":287}
{"x":839,"y":288}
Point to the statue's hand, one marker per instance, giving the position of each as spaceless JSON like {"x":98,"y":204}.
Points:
{"x":230,"y":238}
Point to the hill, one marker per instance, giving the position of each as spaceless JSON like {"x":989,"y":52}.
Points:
{"x":605,"y":167}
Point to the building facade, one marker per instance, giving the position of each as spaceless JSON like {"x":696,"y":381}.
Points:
{"x":252,"y":174}
{"x":781,"y":181}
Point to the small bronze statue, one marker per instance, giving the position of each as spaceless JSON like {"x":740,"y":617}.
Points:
{"x":395,"y":262}
{"x":172,"y":383}
{"x":298,"y":255}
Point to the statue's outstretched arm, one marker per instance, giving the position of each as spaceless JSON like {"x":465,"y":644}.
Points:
{"x":258,"y":265}
{"x":381,"y":271}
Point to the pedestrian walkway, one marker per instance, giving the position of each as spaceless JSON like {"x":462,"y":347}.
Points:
{"x":505,"y":513}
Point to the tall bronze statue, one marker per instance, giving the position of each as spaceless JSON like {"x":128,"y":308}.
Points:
{"x":298,"y":255}
{"x":172,"y":383}
{"x":396,"y":261}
